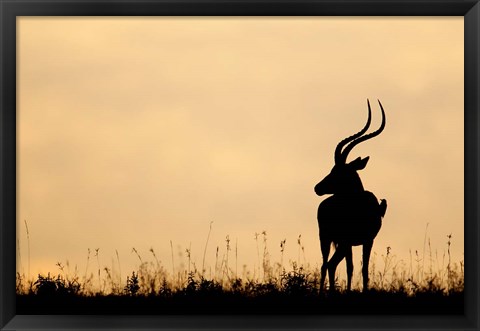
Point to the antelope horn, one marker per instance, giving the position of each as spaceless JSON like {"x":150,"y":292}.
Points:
{"x":354,"y":143}
{"x":338,"y":150}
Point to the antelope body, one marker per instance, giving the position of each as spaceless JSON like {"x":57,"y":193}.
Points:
{"x":351,"y":216}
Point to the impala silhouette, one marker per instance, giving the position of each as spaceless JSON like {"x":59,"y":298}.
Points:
{"x":352,"y":216}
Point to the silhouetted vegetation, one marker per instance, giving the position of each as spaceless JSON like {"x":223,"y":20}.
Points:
{"x":422,"y":288}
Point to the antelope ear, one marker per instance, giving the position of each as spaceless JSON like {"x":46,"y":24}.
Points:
{"x":359,"y":163}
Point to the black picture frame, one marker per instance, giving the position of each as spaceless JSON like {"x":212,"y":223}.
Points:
{"x":10,"y":9}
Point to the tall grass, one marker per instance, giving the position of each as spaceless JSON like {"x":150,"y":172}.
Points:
{"x":421,"y":274}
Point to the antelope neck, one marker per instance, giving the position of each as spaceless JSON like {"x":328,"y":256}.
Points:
{"x":358,"y":189}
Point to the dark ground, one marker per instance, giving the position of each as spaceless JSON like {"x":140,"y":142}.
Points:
{"x":229,"y":303}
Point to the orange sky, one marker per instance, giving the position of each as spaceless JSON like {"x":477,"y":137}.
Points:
{"x":134,"y":132}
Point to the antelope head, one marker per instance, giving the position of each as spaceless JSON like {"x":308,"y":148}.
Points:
{"x":344,"y":177}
